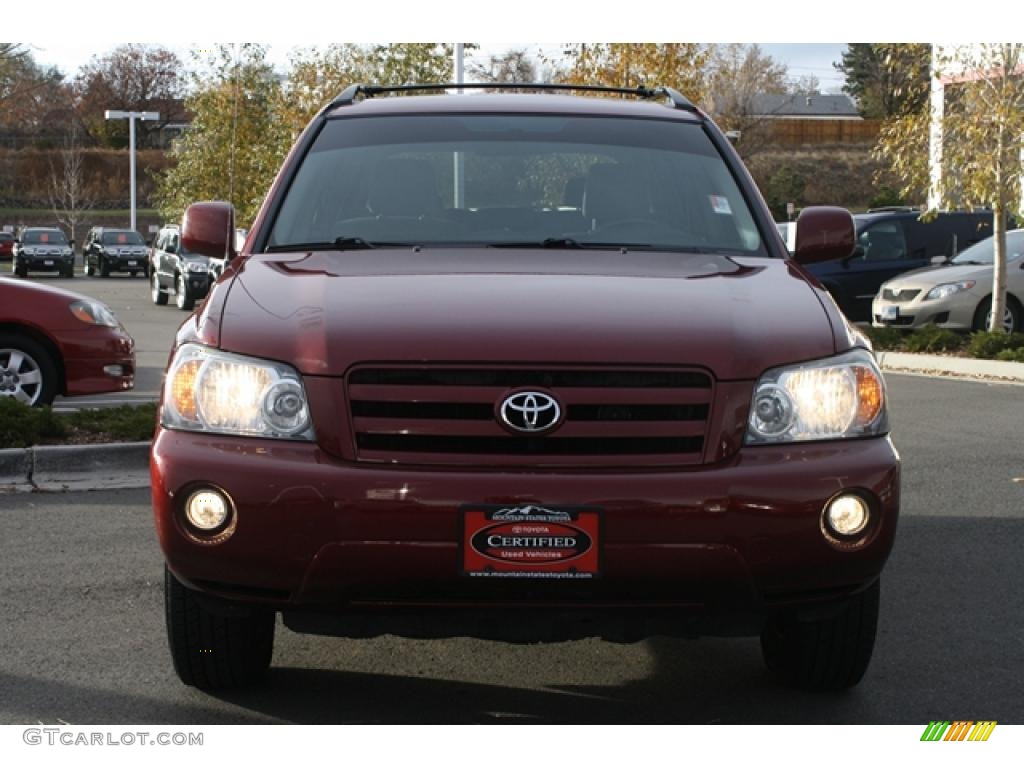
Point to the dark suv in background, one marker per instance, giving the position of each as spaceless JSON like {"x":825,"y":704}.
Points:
{"x":175,"y":269}
{"x":108,"y":250}
{"x":43,"y":249}
{"x":893,"y":241}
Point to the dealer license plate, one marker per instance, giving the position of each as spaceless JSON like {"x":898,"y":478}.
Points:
{"x":48,"y":263}
{"x":531,"y":542}
{"x":890,"y":312}
{"x":132,"y":263}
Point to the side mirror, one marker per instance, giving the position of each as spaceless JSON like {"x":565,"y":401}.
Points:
{"x":823,"y":233}
{"x":209,"y":229}
{"x":939,"y":260}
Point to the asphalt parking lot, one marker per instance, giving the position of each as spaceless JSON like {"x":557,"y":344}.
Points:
{"x":83,"y":639}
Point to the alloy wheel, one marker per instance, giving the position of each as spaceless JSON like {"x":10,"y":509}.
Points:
{"x":20,"y":376}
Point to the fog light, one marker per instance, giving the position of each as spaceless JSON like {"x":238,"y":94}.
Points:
{"x":847,"y":515}
{"x":207,"y":510}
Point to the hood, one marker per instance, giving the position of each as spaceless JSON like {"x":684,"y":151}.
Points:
{"x":325,"y":311}
{"x":39,"y":304}
{"x":944,"y":273}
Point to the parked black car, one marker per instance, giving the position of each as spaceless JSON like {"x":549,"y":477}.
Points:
{"x":893,"y":241}
{"x":174,"y":269}
{"x":108,"y":250}
{"x":43,"y":249}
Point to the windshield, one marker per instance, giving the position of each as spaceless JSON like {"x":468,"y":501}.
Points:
{"x":516,"y":180}
{"x":982,"y":253}
{"x":122,"y":238}
{"x":48,"y":237}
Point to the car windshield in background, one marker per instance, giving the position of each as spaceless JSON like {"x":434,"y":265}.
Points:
{"x":123,"y":238}
{"x":39,"y":237}
{"x":983,"y":253}
{"x":515,"y":180}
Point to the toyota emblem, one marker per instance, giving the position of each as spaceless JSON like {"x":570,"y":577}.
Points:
{"x":530,"y":411}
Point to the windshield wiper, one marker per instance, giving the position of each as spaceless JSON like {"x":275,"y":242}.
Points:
{"x":550,"y":242}
{"x":568,"y":243}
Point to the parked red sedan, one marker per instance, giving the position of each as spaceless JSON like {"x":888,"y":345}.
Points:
{"x":6,"y":246}
{"x":55,"y":342}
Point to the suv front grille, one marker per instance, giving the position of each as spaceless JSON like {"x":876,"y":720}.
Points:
{"x":448,"y":415}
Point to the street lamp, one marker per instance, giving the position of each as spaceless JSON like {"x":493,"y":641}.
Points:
{"x":131,"y":117}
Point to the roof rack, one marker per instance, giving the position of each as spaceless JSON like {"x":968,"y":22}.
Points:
{"x":348,"y":96}
{"x":894,"y":209}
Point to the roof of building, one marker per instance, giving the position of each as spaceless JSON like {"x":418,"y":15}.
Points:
{"x":837,"y":105}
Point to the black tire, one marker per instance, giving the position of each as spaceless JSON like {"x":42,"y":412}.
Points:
{"x":985,"y":308}
{"x":183,"y":297}
{"x":155,"y":292}
{"x":36,"y":358}
{"x":20,"y":271}
{"x":104,"y":268}
{"x":216,"y":649}
{"x":69,"y":272}
{"x":824,"y":654}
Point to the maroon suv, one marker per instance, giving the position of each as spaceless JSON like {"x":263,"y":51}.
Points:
{"x":521,"y":367}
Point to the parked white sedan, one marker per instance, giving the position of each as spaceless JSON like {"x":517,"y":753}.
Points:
{"x":956,"y":295}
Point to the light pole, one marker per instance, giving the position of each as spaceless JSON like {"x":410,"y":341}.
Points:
{"x":131,"y":117}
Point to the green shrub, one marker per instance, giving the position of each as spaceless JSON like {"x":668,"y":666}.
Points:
{"x":21,"y":426}
{"x":886,"y":197}
{"x":127,"y":423}
{"x":988,"y":344}
{"x":1011,"y":355}
{"x":933,"y":339}
{"x":885,"y":339}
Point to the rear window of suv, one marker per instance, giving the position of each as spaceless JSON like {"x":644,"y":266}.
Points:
{"x":516,"y":180}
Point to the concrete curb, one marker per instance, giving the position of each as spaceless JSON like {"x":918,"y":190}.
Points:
{"x":75,"y":467}
{"x":958,"y":367}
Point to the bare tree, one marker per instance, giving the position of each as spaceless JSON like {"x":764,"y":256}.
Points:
{"x":740,"y":76}
{"x":70,"y":199}
{"x":514,"y":66}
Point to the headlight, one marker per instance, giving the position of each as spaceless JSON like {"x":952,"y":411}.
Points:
{"x":93,"y":313}
{"x":193,"y":266}
{"x":827,"y":399}
{"x":948,"y":289}
{"x":211,"y":391}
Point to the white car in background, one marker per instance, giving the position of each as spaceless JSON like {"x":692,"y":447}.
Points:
{"x":956,"y":295}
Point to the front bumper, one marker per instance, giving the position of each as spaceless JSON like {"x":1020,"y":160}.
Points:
{"x":312,"y":532}
{"x":91,"y":358}
{"x":955,"y":313}
{"x":137,"y":263}
{"x":39,"y":263}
